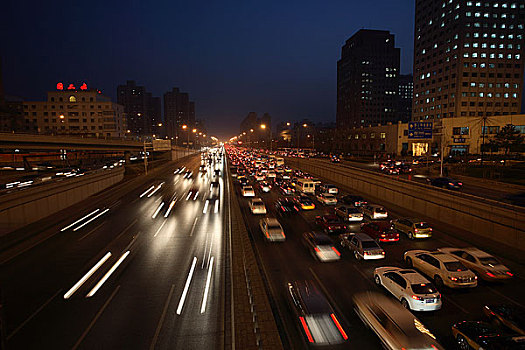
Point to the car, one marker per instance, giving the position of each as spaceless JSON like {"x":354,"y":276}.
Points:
{"x":321,"y":246}
{"x":286,"y":207}
{"x":445,"y":182}
{"x":188,"y":175}
{"x":259,"y":177}
{"x":390,"y":170}
{"x":329,"y":188}
{"x":326,"y":198}
{"x":483,"y":264}
{"x":443,"y":268}
{"x":374,"y":211}
{"x":305,"y":203}
{"x":217,"y":172}
{"x":247,"y":191}
{"x":271,"y":174}
{"x":243,"y":180}
{"x":355,"y":200}
{"x":404,"y":169}
{"x":286,"y":189}
{"x":264,"y":186}
{"x":335,"y":159}
{"x":396,"y":327}
{"x":215,"y":190}
{"x":330,"y":223}
{"x":380,"y":230}
{"x":509,"y":316}
{"x":272,"y":230}
{"x":202,"y":169}
{"x":482,"y":335}
{"x":348,"y":213}
{"x":362,"y":246}
{"x":413,"y":227}
{"x":179,"y":170}
{"x":193,"y":193}
{"x":257,"y":206}
{"x":413,"y":290}
{"x":316,"y":317}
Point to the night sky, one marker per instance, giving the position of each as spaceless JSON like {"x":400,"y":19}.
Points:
{"x":232,"y":57}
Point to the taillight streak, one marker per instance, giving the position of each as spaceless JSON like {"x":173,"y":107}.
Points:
{"x":338,"y":325}
{"x":306,"y":330}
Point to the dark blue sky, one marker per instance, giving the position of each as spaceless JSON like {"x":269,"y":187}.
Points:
{"x":231,"y":56}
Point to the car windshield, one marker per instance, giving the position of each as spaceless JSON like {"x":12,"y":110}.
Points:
{"x":421,"y":225}
{"x":274,"y":227}
{"x":380,"y":210}
{"x":424,"y":288}
{"x":323,"y":240}
{"x":455,"y":266}
{"x":353,"y":211}
{"x":489,"y":261}
{"x":369,"y":245}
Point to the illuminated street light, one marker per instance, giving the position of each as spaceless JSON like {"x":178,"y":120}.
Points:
{"x":194,"y":131}
{"x":160,"y":124}
{"x":263,"y":126}
{"x":184,"y":126}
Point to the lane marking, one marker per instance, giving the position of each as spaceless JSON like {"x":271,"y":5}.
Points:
{"x":107,"y":275}
{"x":162,"y":316}
{"x":32,"y":315}
{"x":90,"y":220}
{"x":146,"y":192}
{"x":158,"y":210}
{"x":99,"y":313}
{"x":79,"y":220}
{"x":93,"y":230}
{"x":206,"y":289}
{"x":187,"y":286}
{"x":77,"y":285}
{"x":160,"y":228}
{"x":193,"y":227}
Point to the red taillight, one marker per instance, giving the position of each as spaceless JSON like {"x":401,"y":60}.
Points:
{"x":317,"y":249}
{"x":509,"y":273}
{"x":415,"y":297}
{"x":460,"y":183}
{"x":490,"y":274}
{"x":338,"y":325}
{"x":306,"y":330}
{"x":415,"y":230}
{"x":336,"y":251}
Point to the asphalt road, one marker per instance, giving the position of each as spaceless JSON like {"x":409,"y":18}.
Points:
{"x":284,"y":262}
{"x":163,"y":274}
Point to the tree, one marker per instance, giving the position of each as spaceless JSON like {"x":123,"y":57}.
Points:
{"x":507,"y":137}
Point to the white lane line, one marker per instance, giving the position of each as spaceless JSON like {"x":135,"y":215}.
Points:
{"x":90,"y":220}
{"x":506,"y":297}
{"x":32,"y":315}
{"x":146,"y":192}
{"x":99,"y":313}
{"x":216,"y":206}
{"x":160,"y":228}
{"x":76,"y":222}
{"x":157,"y":211}
{"x":206,"y":289}
{"x":155,"y":190}
{"x":162,"y":316}
{"x":205,"y":207}
{"x":209,"y":254}
{"x":205,"y":250}
{"x":169,"y":208}
{"x":187,"y":286}
{"x":107,"y":275}
{"x":193,"y":227}
{"x":90,"y":232}
{"x":86,"y":276}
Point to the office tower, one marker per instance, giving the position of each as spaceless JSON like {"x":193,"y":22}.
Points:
{"x":141,"y":108}
{"x":178,"y":111}
{"x":405,"y":93}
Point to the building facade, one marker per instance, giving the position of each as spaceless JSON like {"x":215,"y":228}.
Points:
{"x":367,"y":80}
{"x":405,"y":94}
{"x":468,"y":58}
{"x":178,"y":111}
{"x":143,"y":111}
{"x":75,"y":112}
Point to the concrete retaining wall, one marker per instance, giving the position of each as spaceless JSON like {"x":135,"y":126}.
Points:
{"x":491,"y":219}
{"x":24,"y":207}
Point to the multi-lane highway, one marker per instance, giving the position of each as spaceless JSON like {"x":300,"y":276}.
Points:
{"x":341,"y":280}
{"x":144,"y":271}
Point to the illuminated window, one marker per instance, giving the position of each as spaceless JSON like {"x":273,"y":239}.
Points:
{"x":72,"y":98}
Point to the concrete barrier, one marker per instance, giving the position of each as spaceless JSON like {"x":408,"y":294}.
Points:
{"x":24,"y":207}
{"x":179,"y":152}
{"x":495,"y":220}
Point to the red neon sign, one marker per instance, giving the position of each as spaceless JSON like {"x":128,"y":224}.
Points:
{"x":60,"y":86}
{"x":71,"y":87}
{"x":83,"y":86}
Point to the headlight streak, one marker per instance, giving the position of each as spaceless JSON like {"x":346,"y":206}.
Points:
{"x":79,"y":220}
{"x":90,"y":220}
{"x":155,"y":190}
{"x":216,"y":206}
{"x":158,"y":210}
{"x":169,"y":208}
{"x":146,"y":192}
{"x":186,"y":287}
{"x":206,"y":289}
{"x":196,"y":195}
{"x":87,"y":275}
{"x":205,"y":207}
{"x":107,"y":275}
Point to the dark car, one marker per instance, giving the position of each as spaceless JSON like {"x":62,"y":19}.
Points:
{"x":330,"y":223}
{"x":381,"y":231}
{"x":335,"y":160}
{"x":390,"y":170}
{"x":286,"y":207}
{"x":356,"y":201}
{"x":404,"y":169}
{"x":445,"y":182}
{"x":510,"y":316}
{"x":481,"y":335}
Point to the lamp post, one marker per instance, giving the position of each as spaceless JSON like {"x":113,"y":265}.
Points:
{"x":263,"y":126}
{"x":185,"y":127}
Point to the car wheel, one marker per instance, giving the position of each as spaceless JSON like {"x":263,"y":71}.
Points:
{"x":410,"y":235}
{"x":439,"y":282}
{"x":377,"y":280}
{"x":462,"y":343}
{"x":356,"y":254}
{"x":409,"y":262}
{"x":405,"y":304}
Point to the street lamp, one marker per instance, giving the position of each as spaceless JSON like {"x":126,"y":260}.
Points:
{"x":263,"y":126}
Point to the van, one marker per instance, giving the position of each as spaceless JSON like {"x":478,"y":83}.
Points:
{"x":305,"y":186}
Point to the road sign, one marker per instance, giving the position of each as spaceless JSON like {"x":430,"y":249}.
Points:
{"x":420,"y":130}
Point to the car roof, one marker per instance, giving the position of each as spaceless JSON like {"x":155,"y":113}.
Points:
{"x":443,"y":257}
{"x":272,"y":221}
{"x":363,"y":237}
{"x":381,"y":224}
{"x":313,"y":300}
{"x":477,"y":252}
{"x":413,"y":276}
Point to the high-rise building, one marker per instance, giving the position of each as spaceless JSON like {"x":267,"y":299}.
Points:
{"x":367,"y":79}
{"x":178,"y":111}
{"x":468,"y":58}
{"x":143,"y":111}
{"x":405,"y":93}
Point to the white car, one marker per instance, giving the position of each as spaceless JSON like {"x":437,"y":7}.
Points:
{"x":328,"y":188}
{"x":327,"y":199}
{"x":272,"y":230}
{"x":271,"y":174}
{"x":443,"y":268}
{"x":257,"y":206}
{"x":412,"y":289}
{"x":247,"y":191}
{"x":374,"y":211}
{"x":259,"y":177}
